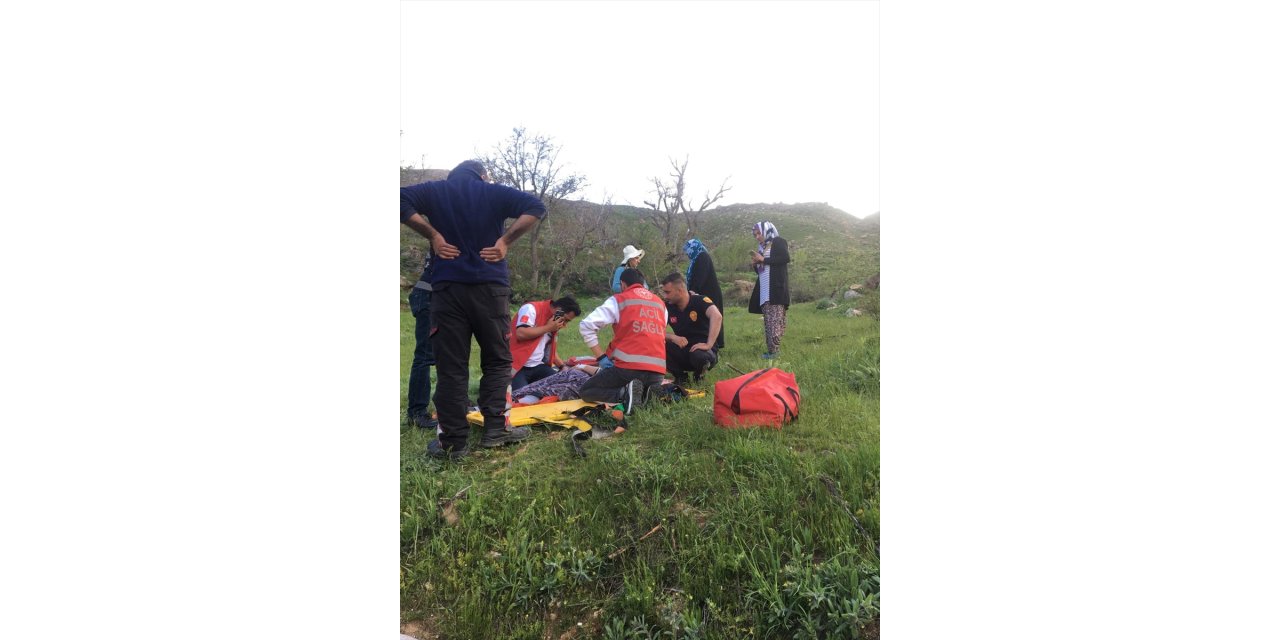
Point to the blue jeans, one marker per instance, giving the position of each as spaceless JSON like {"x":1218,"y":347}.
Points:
{"x":423,"y":358}
{"x":530,"y":375}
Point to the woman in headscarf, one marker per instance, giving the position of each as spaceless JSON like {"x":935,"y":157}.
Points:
{"x":630,"y":260}
{"x":701,"y":277}
{"x":772,"y":295}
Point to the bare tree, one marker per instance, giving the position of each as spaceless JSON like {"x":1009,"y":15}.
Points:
{"x":530,"y":163}
{"x":670,"y":205}
{"x":582,"y":227}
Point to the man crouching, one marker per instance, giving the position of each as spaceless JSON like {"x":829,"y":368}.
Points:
{"x":636,"y":358}
{"x":694,"y":319}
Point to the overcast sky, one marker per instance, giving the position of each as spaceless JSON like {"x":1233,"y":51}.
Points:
{"x":782,"y":98}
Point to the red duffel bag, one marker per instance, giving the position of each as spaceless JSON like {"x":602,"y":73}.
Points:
{"x":769,"y":397}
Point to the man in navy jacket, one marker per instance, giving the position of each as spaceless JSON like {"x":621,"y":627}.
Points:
{"x":463,"y":216}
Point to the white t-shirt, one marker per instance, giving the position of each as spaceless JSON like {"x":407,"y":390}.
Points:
{"x":528,"y":317}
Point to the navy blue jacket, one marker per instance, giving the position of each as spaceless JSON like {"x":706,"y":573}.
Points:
{"x":470,"y":213}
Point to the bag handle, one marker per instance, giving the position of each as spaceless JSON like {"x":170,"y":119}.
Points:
{"x":736,"y":404}
{"x":787,"y":413}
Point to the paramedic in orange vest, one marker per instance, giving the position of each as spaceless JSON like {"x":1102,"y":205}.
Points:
{"x":636,"y":359}
{"x":533,"y":338}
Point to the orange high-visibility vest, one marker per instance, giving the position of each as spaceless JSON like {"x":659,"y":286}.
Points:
{"x":639,"y":337}
{"x":522,"y":349}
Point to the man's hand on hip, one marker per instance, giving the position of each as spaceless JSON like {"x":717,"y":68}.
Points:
{"x":443,"y":249}
{"x":496,"y":253}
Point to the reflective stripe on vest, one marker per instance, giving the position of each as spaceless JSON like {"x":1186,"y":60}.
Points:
{"x":648,"y":303}
{"x":639,"y":336}
{"x":623,"y":356}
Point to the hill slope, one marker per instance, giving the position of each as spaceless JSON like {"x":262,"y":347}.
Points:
{"x":676,"y":528}
{"x":830,"y":249}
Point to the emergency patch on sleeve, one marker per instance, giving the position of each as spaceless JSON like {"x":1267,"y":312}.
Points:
{"x":707,"y":300}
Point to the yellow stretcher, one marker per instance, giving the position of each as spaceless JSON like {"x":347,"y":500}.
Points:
{"x":553,"y":412}
{"x":564,"y":413}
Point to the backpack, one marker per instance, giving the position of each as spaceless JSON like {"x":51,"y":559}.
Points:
{"x":768,"y":397}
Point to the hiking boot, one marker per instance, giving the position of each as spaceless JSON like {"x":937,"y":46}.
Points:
{"x":633,"y":396}
{"x":437,"y":450}
{"x":424,"y":422}
{"x":499,"y":437}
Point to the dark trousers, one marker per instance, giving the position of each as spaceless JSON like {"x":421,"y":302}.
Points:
{"x":681,"y":361}
{"x":460,"y":312}
{"x":530,"y":375}
{"x":420,"y":372}
{"x":610,"y":384}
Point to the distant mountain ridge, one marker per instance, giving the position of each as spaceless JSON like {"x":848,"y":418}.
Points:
{"x":830,"y":248}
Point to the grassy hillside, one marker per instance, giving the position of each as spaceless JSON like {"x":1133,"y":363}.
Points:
{"x":677,"y":528}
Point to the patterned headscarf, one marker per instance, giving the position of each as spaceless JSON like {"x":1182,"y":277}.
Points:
{"x":693,"y":249}
{"x":769,"y":232}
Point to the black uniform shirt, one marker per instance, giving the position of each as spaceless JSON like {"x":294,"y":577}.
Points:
{"x":692,"y":323}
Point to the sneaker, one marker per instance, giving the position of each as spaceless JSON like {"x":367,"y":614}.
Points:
{"x":505,"y":436}
{"x":437,"y":450}
{"x":424,"y":422}
{"x":769,"y":356}
{"x":654,"y":392}
{"x":633,"y":396}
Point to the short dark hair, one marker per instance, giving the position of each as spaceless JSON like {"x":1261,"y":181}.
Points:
{"x":568,"y":305}
{"x":631,"y":276}
{"x":675,"y":278}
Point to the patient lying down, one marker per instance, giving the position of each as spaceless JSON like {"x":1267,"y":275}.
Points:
{"x":563,"y":384}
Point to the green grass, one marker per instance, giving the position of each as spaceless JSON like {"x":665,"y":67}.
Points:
{"x":758,"y":535}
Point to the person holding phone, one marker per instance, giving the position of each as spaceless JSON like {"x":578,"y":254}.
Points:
{"x":533,"y":338}
{"x":772,"y":294}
